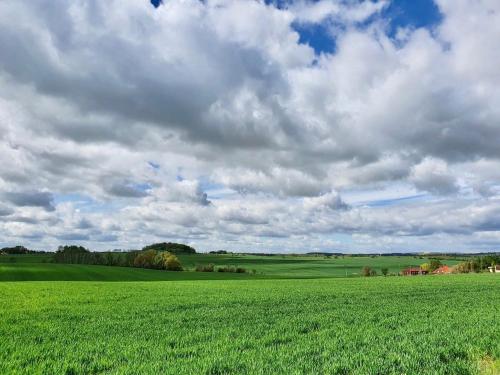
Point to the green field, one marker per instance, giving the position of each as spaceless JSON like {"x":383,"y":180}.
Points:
{"x":38,"y":267}
{"x":309,"y":266}
{"x":296,"y":315}
{"x":82,"y":272}
{"x":394,"y":325}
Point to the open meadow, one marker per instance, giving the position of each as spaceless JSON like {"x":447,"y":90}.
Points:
{"x":221,"y":323}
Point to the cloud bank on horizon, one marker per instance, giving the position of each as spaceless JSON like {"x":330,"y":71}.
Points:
{"x":330,"y":125}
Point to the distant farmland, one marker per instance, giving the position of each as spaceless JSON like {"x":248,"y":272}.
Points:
{"x":39,"y":267}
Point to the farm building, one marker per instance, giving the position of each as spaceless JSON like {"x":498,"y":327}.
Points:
{"x":414,"y":271}
{"x":442,"y":270}
{"x":495,"y":269}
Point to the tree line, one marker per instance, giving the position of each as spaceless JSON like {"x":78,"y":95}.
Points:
{"x":19,"y":250}
{"x":160,"y":256}
{"x":478,"y":264}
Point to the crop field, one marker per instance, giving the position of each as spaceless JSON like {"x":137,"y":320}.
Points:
{"x":394,"y":325}
{"x":309,"y":266}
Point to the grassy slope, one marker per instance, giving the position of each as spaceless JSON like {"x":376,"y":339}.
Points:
{"x":80,"y":272}
{"x":395,"y":325}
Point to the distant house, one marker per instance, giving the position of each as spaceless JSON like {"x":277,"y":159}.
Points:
{"x":412,"y":271}
{"x":442,"y":270}
{"x":495,"y":269}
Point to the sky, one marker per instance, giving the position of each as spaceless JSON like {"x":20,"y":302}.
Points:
{"x":259,"y":126}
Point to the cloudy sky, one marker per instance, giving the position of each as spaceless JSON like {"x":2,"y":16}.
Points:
{"x":284,"y":126}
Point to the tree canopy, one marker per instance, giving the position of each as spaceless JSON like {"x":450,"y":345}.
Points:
{"x":172,"y":247}
{"x":16,"y":250}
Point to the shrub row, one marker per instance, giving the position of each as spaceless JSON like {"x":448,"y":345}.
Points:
{"x":211,"y":268}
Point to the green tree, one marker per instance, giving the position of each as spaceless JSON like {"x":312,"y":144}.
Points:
{"x":434,"y":264}
{"x":128,"y":258}
{"x":145,"y":259}
{"x":71,"y":254}
{"x":172,"y":263}
{"x":425,"y":267}
{"x":171,"y":247}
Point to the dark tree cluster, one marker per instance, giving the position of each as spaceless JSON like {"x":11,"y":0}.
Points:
{"x":221,"y":252}
{"x":19,"y":250}
{"x":172,"y":247}
{"x":78,"y":255}
{"x":150,"y":258}
{"x":162,"y":260}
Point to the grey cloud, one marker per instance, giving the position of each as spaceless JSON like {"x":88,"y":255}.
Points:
{"x":24,"y":219}
{"x":5,"y":211}
{"x":106,"y":238}
{"x":73,"y":237}
{"x":126,"y":190}
{"x":84,"y":224}
{"x":243,"y":215}
{"x":31,"y":199}
{"x":32,"y":235}
{"x":138,"y":89}
{"x":331,"y":201}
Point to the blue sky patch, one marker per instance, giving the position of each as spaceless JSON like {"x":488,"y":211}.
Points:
{"x":399,"y":13}
{"x":411,"y":13}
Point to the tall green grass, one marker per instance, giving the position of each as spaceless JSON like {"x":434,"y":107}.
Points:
{"x":395,"y":325}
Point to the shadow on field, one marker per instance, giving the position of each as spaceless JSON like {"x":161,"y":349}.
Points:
{"x":78,"y":272}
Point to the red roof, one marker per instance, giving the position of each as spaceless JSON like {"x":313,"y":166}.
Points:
{"x":412,"y":269}
{"x":442,"y":269}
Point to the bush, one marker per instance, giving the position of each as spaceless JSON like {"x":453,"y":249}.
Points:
{"x":160,"y":261}
{"x":425,"y":267}
{"x":232,"y":269}
{"x":146,"y":259}
{"x":385,"y":271}
{"x":204,"y":268}
{"x":366,"y":271}
{"x":172,"y":263}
